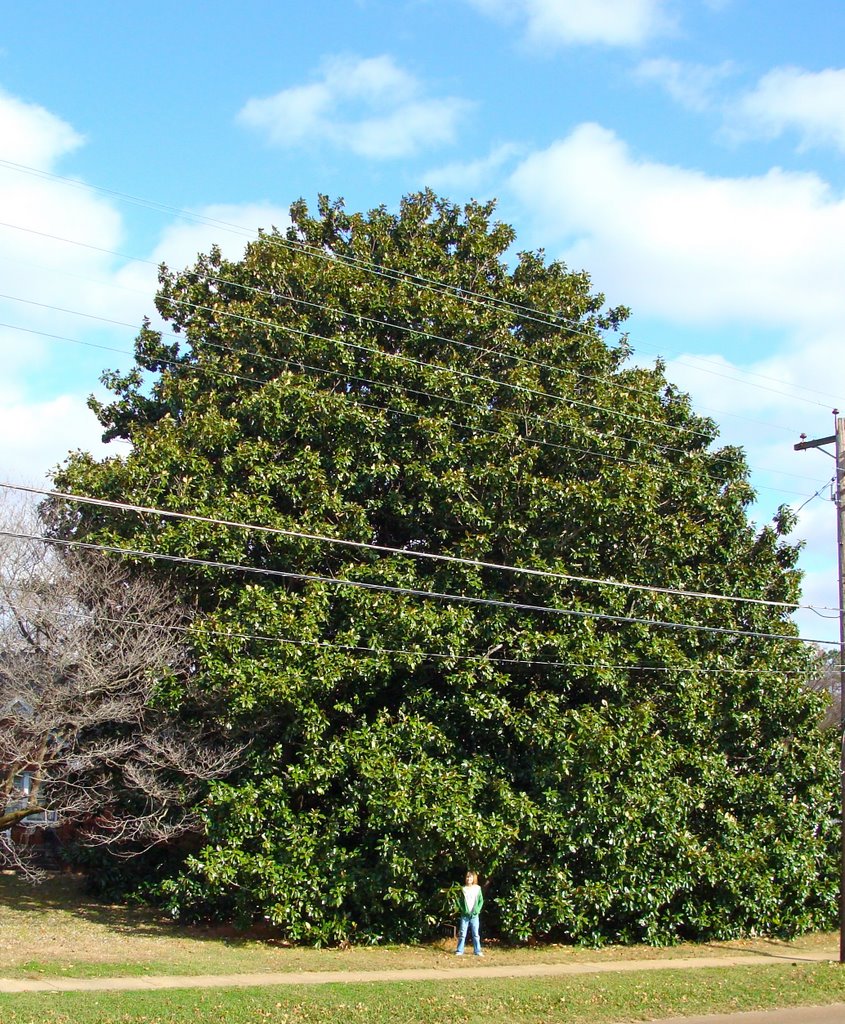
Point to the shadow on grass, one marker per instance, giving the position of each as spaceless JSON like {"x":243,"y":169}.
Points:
{"x":66,"y":893}
{"x":776,"y":949}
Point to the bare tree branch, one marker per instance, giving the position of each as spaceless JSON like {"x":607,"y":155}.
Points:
{"x":85,"y":648}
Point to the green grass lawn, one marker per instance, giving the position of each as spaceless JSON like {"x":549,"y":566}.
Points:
{"x":593,"y":999}
{"x":56,"y":930}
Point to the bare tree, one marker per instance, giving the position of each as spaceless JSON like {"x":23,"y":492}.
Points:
{"x":87,"y":652}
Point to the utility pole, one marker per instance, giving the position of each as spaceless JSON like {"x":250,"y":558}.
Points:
{"x":838,"y":440}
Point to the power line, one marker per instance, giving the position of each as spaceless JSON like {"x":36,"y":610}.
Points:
{"x":812,"y":497}
{"x":230,"y":374}
{"x":576,"y":403}
{"x":411,"y":330}
{"x":393,"y":355}
{"x":418,"y":332}
{"x":228,"y":634}
{"x":63,"y":337}
{"x":269,"y":324}
{"x":380,"y":352}
{"x":414,"y":331}
{"x":382,"y":324}
{"x":406,"y":552}
{"x":463,"y":294}
{"x":214,"y":371}
{"x":749,"y":383}
{"x":458,"y":292}
{"x":407,"y":591}
{"x":420,"y":416}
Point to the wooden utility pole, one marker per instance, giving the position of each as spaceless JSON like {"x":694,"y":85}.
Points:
{"x":838,"y":440}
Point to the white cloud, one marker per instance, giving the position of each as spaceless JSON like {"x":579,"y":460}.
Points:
{"x":820,"y":586}
{"x":766,"y":417}
{"x":38,"y":429}
{"x":31,"y":135}
{"x":228,"y":226}
{"x":474,"y":174}
{"x":691,"y":85}
{"x":763,"y":405}
{"x":45,"y":381}
{"x":686,"y":246}
{"x":41,"y":270}
{"x":817,"y":517}
{"x":763,"y":256}
{"x":407,"y":130}
{"x":783,"y":386}
{"x":812,"y":104}
{"x":572,"y":22}
{"x":369,"y":106}
{"x":39,"y":435}
{"x":43,"y":217}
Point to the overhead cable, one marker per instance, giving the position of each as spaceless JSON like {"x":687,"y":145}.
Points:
{"x":382,"y":324}
{"x":238,"y":634}
{"x":420,"y":416}
{"x":370,"y":350}
{"x":406,"y":591}
{"x":527,"y":312}
{"x":374,"y":351}
{"x":407,"y":552}
{"x":356,"y":403}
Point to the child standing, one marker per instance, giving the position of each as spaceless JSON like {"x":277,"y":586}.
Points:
{"x":471,"y":901}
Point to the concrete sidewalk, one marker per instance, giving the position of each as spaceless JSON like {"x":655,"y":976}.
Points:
{"x":460,"y":969}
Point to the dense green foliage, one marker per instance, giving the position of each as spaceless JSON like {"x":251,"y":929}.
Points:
{"x":609,"y":779}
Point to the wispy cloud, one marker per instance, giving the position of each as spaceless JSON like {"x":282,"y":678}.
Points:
{"x":472,"y":174}
{"x":693,"y":86}
{"x":789,"y":99}
{"x":625,"y":23}
{"x":369,"y":106}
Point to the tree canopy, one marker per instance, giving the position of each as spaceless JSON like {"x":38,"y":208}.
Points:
{"x":616,"y":761}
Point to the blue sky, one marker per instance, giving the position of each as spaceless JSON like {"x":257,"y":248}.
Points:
{"x":687,"y":153}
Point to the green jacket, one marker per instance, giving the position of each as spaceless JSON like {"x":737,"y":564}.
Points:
{"x":467,"y":911}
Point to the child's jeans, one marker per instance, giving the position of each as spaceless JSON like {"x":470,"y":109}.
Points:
{"x":472,"y":923}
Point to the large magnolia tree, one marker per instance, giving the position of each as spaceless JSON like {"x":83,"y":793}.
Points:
{"x":617,"y":762}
